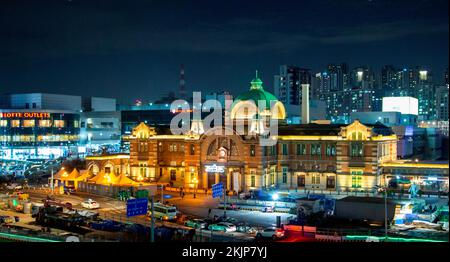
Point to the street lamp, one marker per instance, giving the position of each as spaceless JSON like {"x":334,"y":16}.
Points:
{"x":385,"y":189}
{"x":195,"y":181}
{"x":53,"y":182}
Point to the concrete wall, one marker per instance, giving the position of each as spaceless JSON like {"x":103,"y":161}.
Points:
{"x":363,"y":210}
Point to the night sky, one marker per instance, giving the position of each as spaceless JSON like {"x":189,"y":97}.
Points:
{"x":133,"y":49}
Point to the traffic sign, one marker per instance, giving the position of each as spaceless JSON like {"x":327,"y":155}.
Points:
{"x":217,"y":190}
{"x":137,"y":207}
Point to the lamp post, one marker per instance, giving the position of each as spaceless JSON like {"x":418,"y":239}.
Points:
{"x":384,"y":187}
{"x":53,"y":182}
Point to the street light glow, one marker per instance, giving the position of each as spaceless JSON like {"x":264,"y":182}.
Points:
{"x":275,"y":196}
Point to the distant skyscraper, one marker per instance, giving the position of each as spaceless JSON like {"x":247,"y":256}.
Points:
{"x":389,"y":81}
{"x":320,"y":85}
{"x":287,"y":86}
{"x":446,"y":77}
{"x":424,"y":90}
{"x":442,"y":102}
{"x":362,"y":90}
{"x":336,"y":74}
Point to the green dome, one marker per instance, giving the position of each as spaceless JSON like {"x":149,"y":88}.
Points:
{"x":256,"y":93}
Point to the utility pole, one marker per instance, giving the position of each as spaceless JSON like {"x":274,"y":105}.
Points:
{"x":152,"y":229}
{"x":385,"y":206}
{"x":162,"y":194}
{"x":224,"y":202}
{"x":52,"y":182}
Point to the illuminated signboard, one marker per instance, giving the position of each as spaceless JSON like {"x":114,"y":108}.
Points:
{"x":24,"y":115}
{"x":214,"y":169}
{"x":404,"y":105}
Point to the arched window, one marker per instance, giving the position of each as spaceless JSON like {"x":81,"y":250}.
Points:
{"x":212,"y":148}
{"x":234,"y":150}
{"x":357,"y":136}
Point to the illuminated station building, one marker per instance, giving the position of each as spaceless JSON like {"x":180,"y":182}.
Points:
{"x":312,"y":156}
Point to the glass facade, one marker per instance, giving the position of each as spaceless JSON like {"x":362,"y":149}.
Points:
{"x":37,"y":135}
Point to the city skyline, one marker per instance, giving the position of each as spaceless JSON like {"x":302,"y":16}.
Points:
{"x":132,"y":52}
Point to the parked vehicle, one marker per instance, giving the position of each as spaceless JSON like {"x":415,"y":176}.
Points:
{"x":69,"y":189}
{"x":270,"y":232}
{"x":90,"y":204}
{"x":222,"y":226}
{"x":196,"y":223}
{"x":13,"y":186}
{"x":245,"y":229}
{"x":107,"y":225}
{"x":163,"y":212}
{"x":52,"y":215}
{"x":7,"y":219}
{"x":268,"y":209}
{"x":226,"y":219}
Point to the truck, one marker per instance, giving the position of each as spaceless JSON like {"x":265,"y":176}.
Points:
{"x":51,"y":213}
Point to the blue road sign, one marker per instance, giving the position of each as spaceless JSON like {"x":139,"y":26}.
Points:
{"x":137,"y":207}
{"x":217,"y":190}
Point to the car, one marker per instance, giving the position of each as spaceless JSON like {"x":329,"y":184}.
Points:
{"x":222,"y":226}
{"x":245,"y":229}
{"x":12,"y":186}
{"x":196,"y":223}
{"x":268,"y":209}
{"x":270,"y":232}
{"x":90,"y":204}
{"x":69,"y":189}
{"x":225,"y":219}
{"x":7,"y":219}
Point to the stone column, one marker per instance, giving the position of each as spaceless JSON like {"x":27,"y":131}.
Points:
{"x":229,"y":179}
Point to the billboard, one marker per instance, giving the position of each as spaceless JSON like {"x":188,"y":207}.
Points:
{"x":404,"y":105}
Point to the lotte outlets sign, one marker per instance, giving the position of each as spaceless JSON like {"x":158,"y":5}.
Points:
{"x":24,"y":115}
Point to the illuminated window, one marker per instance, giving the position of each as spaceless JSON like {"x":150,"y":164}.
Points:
{"x":15,"y":123}
{"x":76,"y":124}
{"x":173,"y":148}
{"x":45,"y":123}
{"x":3,"y":123}
{"x":301,"y":149}
{"x":58,"y":123}
{"x":356,"y":178}
{"x":253,"y":181}
{"x":356,"y":149}
{"x":331,"y":150}
{"x":173,"y":175}
{"x":315,"y":149}
{"x":284,"y":171}
{"x":192,"y":150}
{"x":28,"y":123}
{"x":285,"y":149}
{"x":315,"y":179}
{"x":357,"y":136}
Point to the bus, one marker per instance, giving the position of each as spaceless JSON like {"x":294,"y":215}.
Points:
{"x":163,"y":212}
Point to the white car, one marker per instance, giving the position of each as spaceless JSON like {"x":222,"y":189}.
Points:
{"x":90,"y":204}
{"x":14,"y":187}
{"x":271,"y":232}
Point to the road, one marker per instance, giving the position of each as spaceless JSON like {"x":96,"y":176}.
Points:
{"x":190,"y":206}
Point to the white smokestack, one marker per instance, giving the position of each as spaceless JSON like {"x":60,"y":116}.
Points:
{"x":305,"y":103}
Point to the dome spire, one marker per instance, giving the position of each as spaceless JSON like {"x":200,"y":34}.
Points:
{"x":256,"y":83}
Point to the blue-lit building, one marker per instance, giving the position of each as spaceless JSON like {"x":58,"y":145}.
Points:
{"x":43,"y":126}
